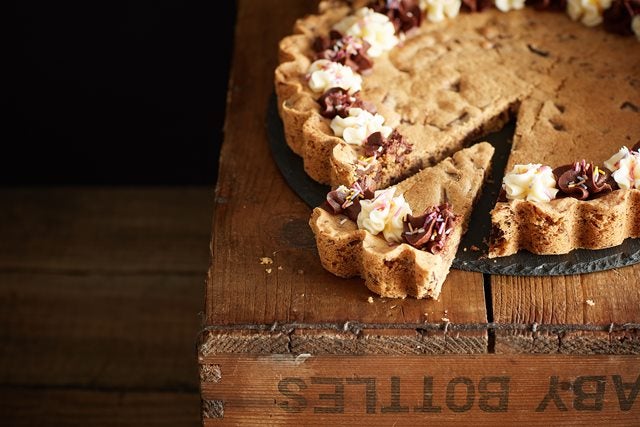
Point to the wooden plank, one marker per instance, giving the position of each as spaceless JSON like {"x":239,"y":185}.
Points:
{"x":256,"y":215}
{"x":446,"y":390}
{"x":551,"y":302}
{"x":62,"y":407}
{"x":131,"y":230}
{"x":100,"y":331}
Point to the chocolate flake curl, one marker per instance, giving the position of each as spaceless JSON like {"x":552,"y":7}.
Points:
{"x":618,"y":17}
{"x":430,"y":231}
{"x":404,"y":14}
{"x":346,"y":50}
{"x":471,"y":6}
{"x":337,"y":102}
{"x":346,"y":201}
{"x":396,"y":145}
{"x":582,"y":180}
{"x":550,"y":5}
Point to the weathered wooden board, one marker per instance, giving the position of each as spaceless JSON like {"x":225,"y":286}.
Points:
{"x":62,"y":407}
{"x":101,"y":296}
{"x":262,"y":319}
{"x":256,"y":215}
{"x":99,"y":330}
{"x":601,"y":309}
{"x":453,"y":390}
{"x":134,"y":230}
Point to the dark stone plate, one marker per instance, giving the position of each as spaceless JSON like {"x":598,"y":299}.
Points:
{"x":521,"y":264}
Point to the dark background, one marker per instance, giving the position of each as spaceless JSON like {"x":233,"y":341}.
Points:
{"x":108,"y":94}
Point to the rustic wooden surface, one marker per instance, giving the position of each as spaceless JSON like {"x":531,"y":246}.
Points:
{"x":292,"y":306}
{"x":257,"y":215}
{"x":487,"y":390}
{"x":101,"y":291}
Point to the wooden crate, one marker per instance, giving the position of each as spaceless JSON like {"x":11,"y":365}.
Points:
{"x":288,"y":343}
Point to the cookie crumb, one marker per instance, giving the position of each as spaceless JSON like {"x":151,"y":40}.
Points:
{"x":393,"y":306}
{"x":280,"y":267}
{"x":464,"y":249}
{"x":445,"y":319}
{"x":590,"y":302}
{"x":475,"y":248}
{"x":268,"y":270}
{"x":265,"y":260}
{"x":370,"y":300}
{"x":301,"y":272}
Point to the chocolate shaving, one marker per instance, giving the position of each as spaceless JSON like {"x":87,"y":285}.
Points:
{"x":347,"y":201}
{"x":470,"y":6}
{"x":346,"y":50}
{"x":337,"y":102}
{"x":429,"y":231}
{"x":629,"y":106}
{"x":404,"y":14}
{"x":617,"y":18}
{"x":550,"y":5}
{"x":537,"y":51}
{"x":582,"y":181}
{"x":395,"y":144}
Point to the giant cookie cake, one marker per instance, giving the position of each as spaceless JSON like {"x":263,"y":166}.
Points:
{"x":372,"y":92}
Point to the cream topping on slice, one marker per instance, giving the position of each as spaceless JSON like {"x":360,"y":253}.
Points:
{"x":324,"y":75}
{"x":589,"y":12}
{"x":372,"y":27}
{"x":358,"y":125}
{"x":384,"y":214}
{"x":439,"y":10}
{"x":507,"y":5}
{"x":625,"y":165}
{"x":532,"y":182}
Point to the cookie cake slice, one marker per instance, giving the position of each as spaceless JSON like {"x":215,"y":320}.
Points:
{"x":402,"y":240}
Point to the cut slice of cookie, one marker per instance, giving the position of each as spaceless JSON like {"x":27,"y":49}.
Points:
{"x":393,"y":269}
{"x":574,"y":90}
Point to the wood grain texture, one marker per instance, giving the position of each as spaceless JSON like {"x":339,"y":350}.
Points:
{"x":28,"y":407}
{"x":482,"y":390}
{"x":99,"y":331}
{"x":562,"y":301}
{"x":132,"y":230}
{"x":256,"y":215}
{"x":101,"y":295}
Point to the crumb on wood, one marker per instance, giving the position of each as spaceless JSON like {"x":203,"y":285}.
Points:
{"x":301,"y":272}
{"x":280,"y":267}
{"x":590,"y":302}
{"x":445,"y":319}
{"x":268,"y":270}
{"x":475,"y":248}
{"x":393,"y":306}
{"x":265,"y":260}
{"x":370,"y":300}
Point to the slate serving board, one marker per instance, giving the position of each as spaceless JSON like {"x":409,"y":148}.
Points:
{"x":521,"y":264}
